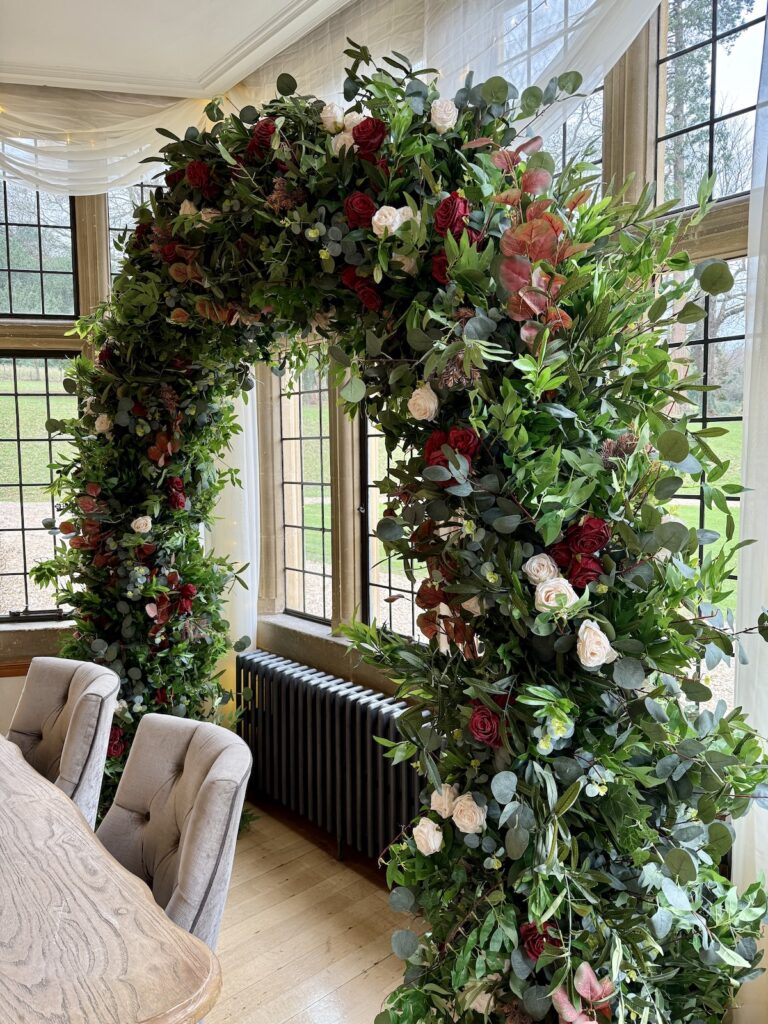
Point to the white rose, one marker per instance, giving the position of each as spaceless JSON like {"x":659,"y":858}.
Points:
{"x":406,"y":214}
{"x":593,"y":647}
{"x":468,"y":816}
{"x":549,"y":592}
{"x":188,"y":208}
{"x":443,"y":115}
{"x":423,"y":403}
{"x":343,"y":140}
{"x":443,"y":800}
{"x":540,"y":568}
{"x":428,"y":837}
{"x":332,"y":117}
{"x":209,"y":213}
{"x":385,"y":221}
{"x":141,"y":524}
{"x":352,"y":120}
{"x":103,"y":423}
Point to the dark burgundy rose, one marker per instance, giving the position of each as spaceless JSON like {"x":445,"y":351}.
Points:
{"x":359,"y":210}
{"x":261,"y":138}
{"x":561,"y":553}
{"x":534,"y":941}
{"x":177,"y":500}
{"x":450,"y":214}
{"x":116,"y":746}
{"x":188,"y":590}
{"x":583,"y":570}
{"x":141,"y":233}
{"x":161,"y":695}
{"x":168,"y":252}
{"x":433,"y":453}
{"x":476,"y":237}
{"x":172,"y":178}
{"x":369,"y":135}
{"x":175,"y":483}
{"x":439,"y":267}
{"x":464,"y":440}
{"x":589,"y":536}
{"x":349,"y":277}
{"x":485,"y":725}
{"x":198,"y":173}
{"x":368,"y":294}
{"x":430,"y":595}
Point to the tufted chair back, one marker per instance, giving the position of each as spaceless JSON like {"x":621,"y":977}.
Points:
{"x":176,"y":814}
{"x":62,"y":723}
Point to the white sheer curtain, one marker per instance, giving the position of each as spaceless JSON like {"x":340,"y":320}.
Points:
{"x":84,"y":142}
{"x":751,"y":850}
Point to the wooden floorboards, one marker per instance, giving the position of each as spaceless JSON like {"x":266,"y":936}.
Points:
{"x":305,"y":937}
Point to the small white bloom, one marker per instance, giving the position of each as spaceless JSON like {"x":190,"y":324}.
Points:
{"x":385,"y":221}
{"x":209,"y":214}
{"x":428,"y":837}
{"x":103,"y":423}
{"x":593,"y":647}
{"x":188,"y":208}
{"x":550,"y":592}
{"x":332,"y":117}
{"x":343,"y":140}
{"x":141,"y":524}
{"x":443,"y":115}
{"x":469,"y":817}
{"x":443,"y":800}
{"x":352,"y":120}
{"x":540,"y":568}
{"x":423,"y":403}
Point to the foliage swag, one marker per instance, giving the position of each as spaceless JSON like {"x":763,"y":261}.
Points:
{"x":507,"y":328}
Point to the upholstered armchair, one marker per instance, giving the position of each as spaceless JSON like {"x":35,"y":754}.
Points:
{"x":176,"y":814}
{"x":62,"y":722}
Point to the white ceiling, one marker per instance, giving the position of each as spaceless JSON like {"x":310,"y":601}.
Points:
{"x":165,"y":47}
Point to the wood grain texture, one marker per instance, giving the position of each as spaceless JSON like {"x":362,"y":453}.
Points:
{"x":305,"y":937}
{"x":81,"y":940}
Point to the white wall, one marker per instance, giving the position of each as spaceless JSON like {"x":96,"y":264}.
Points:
{"x":10,"y":691}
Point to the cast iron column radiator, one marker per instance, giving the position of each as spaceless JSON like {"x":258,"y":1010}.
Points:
{"x":312,"y":739}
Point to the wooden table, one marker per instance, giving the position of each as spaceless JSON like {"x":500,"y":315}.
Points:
{"x":81,"y":940}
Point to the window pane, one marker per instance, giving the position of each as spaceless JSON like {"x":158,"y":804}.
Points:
{"x":682,"y":162}
{"x":732,"y":157}
{"x":121,"y":203}
{"x":686,"y":26}
{"x":731,"y":15}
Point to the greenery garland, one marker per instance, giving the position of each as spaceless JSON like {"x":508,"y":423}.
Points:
{"x":507,"y":329}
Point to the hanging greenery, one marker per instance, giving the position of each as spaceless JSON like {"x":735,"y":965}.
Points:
{"x":509,"y":329}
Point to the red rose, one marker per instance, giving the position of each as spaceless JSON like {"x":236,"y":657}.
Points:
{"x":440,"y":267}
{"x":484,"y":725}
{"x":349,"y":277}
{"x":198,"y":174}
{"x":433,"y":453}
{"x":430,"y":595}
{"x":188,"y":590}
{"x":172,"y":178}
{"x":464,"y":440}
{"x":141,"y":231}
{"x":583,"y":570}
{"x":589,"y":536}
{"x":369,"y":135}
{"x":261,"y":138}
{"x":368,"y":294}
{"x":168,"y":252}
{"x":87,"y":504}
{"x":93,"y":489}
{"x":450,"y":214}
{"x":561,"y":553}
{"x":175,"y":483}
{"x":534,"y":940}
{"x":177,"y":500}
{"x":161,"y":695}
{"x":116,"y":746}
{"x":359,"y":210}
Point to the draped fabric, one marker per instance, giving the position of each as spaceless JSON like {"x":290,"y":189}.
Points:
{"x":84,"y":142}
{"x":751,"y":850}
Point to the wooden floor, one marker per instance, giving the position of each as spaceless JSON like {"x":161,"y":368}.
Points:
{"x":305,"y":938}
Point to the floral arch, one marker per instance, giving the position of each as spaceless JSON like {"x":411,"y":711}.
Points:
{"x":506,"y":326}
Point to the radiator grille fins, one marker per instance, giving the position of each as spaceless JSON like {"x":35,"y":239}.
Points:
{"x":311,"y":736}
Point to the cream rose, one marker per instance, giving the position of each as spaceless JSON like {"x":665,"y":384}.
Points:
{"x":406,"y":263}
{"x":209,"y":214}
{"x":141,"y":524}
{"x":443,"y":800}
{"x":103,"y":423}
{"x":443,"y":115}
{"x":332,"y":117}
{"x":593,"y":647}
{"x":385,"y":221}
{"x":540,"y":568}
{"x":428,"y":837}
{"x":549,"y":593}
{"x":406,"y":214}
{"x":188,"y":208}
{"x":352,"y":120}
{"x":469,"y":817}
{"x":423,"y":403}
{"x":343,"y":140}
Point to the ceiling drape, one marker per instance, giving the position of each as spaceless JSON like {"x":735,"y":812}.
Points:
{"x":84,"y":142}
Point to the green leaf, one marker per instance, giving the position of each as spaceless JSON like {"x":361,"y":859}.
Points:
{"x":242,"y":644}
{"x":720,"y":840}
{"x":568,"y":798}
{"x":691,"y":313}
{"x":673,"y":446}
{"x":661,"y":923}
{"x":338,"y":355}
{"x":351,"y":89}
{"x":716,"y":278}
{"x":681,"y":866}
{"x":389,"y":529}
{"x":401,"y":900}
{"x":570,"y":81}
{"x":353,"y":390}
{"x":495,"y":90}
{"x":676,"y":897}
{"x":628,"y":673}
{"x":286,"y":84}
{"x":530,"y":100}
{"x":667,"y":487}
{"x":506,"y":524}
{"x":516,"y":841}
{"x":404,"y":944}
{"x":504,"y":786}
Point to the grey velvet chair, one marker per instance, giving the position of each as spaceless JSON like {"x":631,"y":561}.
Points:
{"x":176,"y":814}
{"x":62,"y":722}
